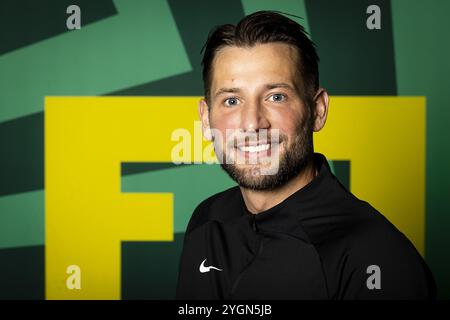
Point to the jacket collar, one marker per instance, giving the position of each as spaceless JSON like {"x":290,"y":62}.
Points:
{"x":292,"y":214}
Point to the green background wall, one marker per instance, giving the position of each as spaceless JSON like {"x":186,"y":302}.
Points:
{"x":119,"y":51}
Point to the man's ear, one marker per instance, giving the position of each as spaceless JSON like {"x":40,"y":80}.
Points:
{"x":321,"y":101}
{"x":203,"y":112}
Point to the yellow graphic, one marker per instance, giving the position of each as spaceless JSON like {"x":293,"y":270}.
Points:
{"x":384,"y":138}
{"x":87,"y":217}
{"x":86,"y":139}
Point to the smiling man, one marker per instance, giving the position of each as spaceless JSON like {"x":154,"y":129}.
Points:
{"x":294,"y":232}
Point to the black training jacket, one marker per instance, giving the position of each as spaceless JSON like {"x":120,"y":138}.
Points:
{"x":320,"y":243}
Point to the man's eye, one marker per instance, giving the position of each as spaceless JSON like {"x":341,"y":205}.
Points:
{"x":277,"y":97}
{"x":231,"y":102}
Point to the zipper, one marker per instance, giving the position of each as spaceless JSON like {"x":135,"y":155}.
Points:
{"x":255,"y":229}
{"x":258,"y":252}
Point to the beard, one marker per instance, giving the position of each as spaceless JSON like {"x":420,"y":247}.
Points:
{"x":292,"y":161}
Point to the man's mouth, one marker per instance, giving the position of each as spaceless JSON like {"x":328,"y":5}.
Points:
{"x":258,"y":150}
{"x":254,"y":148}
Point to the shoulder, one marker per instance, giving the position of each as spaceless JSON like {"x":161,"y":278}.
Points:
{"x":374,"y":236}
{"x":382,"y":263}
{"x":214,"y":208}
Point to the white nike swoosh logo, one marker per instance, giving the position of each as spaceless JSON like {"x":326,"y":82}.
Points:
{"x":204,"y":269}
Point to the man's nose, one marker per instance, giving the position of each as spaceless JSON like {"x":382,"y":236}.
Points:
{"x":253,"y":117}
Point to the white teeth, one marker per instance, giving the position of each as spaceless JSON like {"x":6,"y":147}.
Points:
{"x":258,"y":148}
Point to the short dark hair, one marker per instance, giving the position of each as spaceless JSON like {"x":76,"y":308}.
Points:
{"x":259,"y":28}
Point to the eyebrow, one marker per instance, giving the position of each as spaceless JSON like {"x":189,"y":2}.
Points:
{"x":226,"y":90}
{"x":268,"y":86}
{"x":278,"y":85}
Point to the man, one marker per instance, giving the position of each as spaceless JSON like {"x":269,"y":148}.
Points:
{"x":294,"y":232}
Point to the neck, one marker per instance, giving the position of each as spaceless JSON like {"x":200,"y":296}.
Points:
{"x":257,"y":201}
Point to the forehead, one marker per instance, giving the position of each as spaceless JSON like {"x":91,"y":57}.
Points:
{"x":271,"y":62}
